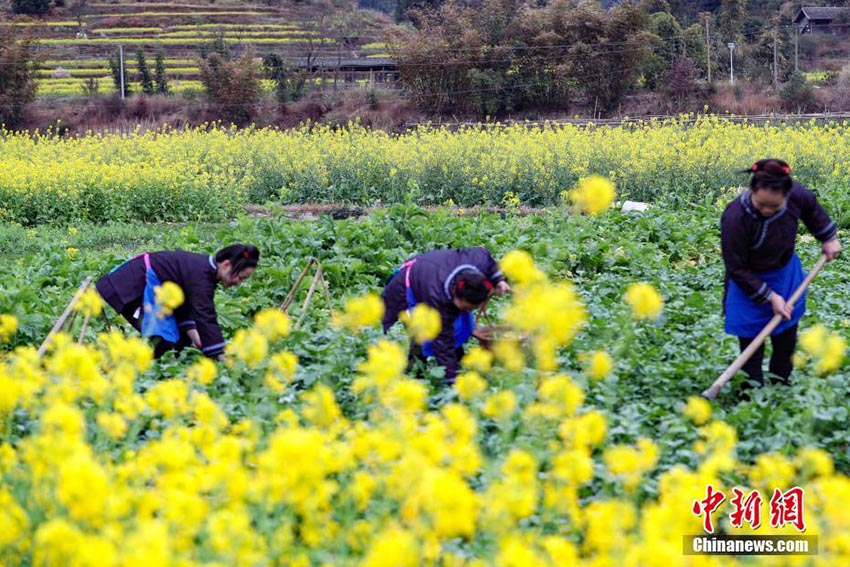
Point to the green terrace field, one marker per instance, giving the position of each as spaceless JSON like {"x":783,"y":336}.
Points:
{"x":178,"y":30}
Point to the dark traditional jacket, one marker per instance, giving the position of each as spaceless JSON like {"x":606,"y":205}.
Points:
{"x":431,"y":279}
{"x":194,"y":273}
{"x":753,"y":243}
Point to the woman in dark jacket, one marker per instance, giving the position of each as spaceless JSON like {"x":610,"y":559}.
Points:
{"x":129,"y":289}
{"x":455,"y":283}
{"x":758,"y":232}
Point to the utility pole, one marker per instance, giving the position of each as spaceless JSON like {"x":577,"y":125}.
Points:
{"x":731,"y":47}
{"x":121,"y":58}
{"x":775,"y":66}
{"x":708,"y":48}
{"x":796,"y":43}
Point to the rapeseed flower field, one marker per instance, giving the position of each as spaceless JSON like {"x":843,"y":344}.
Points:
{"x":208,"y":173}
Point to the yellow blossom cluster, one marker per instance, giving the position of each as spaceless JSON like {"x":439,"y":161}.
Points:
{"x":422,"y":322}
{"x":593,"y":194}
{"x":364,"y":311}
{"x":551,"y":314}
{"x":169,"y":296}
{"x":90,"y":303}
{"x":644,"y":300}
{"x":827,"y":348}
{"x":698,"y":410}
{"x":8,"y":326}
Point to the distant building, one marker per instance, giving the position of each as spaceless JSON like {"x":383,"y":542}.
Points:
{"x":812,"y":19}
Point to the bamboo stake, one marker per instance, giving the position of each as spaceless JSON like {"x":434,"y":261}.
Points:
{"x":62,"y":318}
{"x":327,"y":293}
{"x":291,"y":295}
{"x":318,"y":276}
{"x":309,"y":297}
{"x":83,"y":330}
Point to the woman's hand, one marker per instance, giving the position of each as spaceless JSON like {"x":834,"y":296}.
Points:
{"x":831,"y":249}
{"x":503,"y":288}
{"x":194,"y":337}
{"x":780,"y":307}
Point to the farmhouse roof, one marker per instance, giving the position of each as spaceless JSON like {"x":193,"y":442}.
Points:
{"x":817,"y":13}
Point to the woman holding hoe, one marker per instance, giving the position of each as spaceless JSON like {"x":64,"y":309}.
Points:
{"x":130,"y":289}
{"x":758,"y":232}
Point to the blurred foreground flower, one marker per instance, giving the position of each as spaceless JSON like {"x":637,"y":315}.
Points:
{"x":360,"y":312}
{"x":826,"y":347}
{"x":645,"y":301}
{"x":170,"y":296}
{"x":593,"y":194}
{"x":90,"y":304}
{"x":8,"y":327}
{"x":423,"y":323}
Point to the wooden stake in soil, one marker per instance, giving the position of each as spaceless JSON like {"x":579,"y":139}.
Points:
{"x":317,"y":277}
{"x":62,"y":318}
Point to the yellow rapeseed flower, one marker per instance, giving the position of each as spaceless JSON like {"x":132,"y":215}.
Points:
{"x":600,"y":365}
{"x":364,"y":311}
{"x":404,"y":396}
{"x":386,"y":362}
{"x":509,"y":353}
{"x":8,"y":326}
{"x":814,"y":462}
{"x":169,"y":296}
{"x":827,"y":347}
{"x":552,"y":313}
{"x":772,"y":470}
{"x":518,"y":266}
{"x":593,"y":194}
{"x":203,"y":372}
{"x":500,"y":405}
{"x":90,"y":303}
{"x":813,"y":340}
{"x":250,"y":346}
{"x":423,"y":322}
{"x":393,"y":546}
{"x":112,"y":424}
{"x":833,"y":356}
{"x":273,"y":323}
{"x":645,"y":301}
{"x":281,"y":370}
{"x":697,"y":410}
{"x":478,"y":359}
{"x":470,"y":385}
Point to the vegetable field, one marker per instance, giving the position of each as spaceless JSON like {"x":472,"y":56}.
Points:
{"x":578,"y":440}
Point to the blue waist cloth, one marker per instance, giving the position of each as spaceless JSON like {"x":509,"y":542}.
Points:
{"x":746,"y":318}
{"x":464,"y":324}
{"x":154,"y":322}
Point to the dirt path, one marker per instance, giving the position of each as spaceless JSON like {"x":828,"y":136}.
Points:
{"x":339,"y":211}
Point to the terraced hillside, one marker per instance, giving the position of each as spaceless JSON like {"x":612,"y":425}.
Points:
{"x":336,"y":42}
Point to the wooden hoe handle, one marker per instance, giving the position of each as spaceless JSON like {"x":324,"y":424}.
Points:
{"x":712,"y":392}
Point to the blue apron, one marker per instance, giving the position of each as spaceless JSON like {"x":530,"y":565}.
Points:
{"x":746,"y":318}
{"x":154,"y":322}
{"x":464,"y":324}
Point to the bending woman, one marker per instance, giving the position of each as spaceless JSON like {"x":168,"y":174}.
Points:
{"x":455,"y":282}
{"x":129,"y":289}
{"x":758,"y":232}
